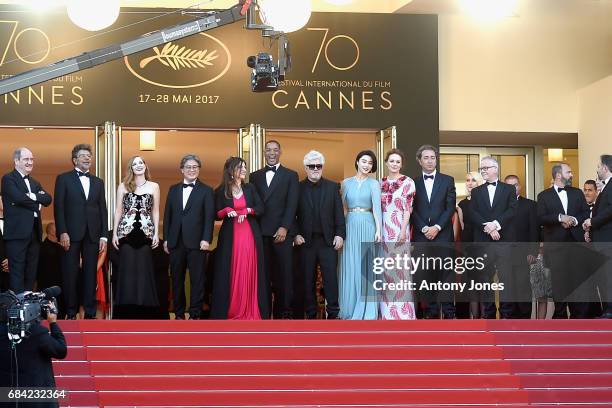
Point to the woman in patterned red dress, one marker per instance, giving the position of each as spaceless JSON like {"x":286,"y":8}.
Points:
{"x":397,"y":194}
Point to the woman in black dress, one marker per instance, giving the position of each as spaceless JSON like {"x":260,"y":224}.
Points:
{"x":135,"y":234}
{"x":472,"y":180}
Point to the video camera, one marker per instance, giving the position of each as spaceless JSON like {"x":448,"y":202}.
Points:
{"x":28,"y":308}
{"x":264,"y":76}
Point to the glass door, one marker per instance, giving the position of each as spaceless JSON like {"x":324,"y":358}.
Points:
{"x":107,"y":150}
{"x":386,"y":139}
{"x":456,"y":161}
{"x":251,"y":141}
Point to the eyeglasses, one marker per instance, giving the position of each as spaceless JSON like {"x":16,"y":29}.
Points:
{"x":191,"y":167}
{"x":84,"y":156}
{"x":486,"y":168}
{"x":314,"y":166}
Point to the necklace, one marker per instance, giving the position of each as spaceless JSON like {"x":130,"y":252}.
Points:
{"x":145,"y":182}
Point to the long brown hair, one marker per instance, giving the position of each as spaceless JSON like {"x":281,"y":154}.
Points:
{"x":128,"y":180}
{"x":229,"y":169}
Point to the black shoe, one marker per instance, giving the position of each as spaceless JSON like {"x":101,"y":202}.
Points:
{"x":607,"y":315}
{"x":311,"y":317}
{"x":333,"y":317}
{"x":287,"y":316}
{"x":449,"y":316}
{"x":70,"y":317}
{"x":177,"y":317}
{"x":89,"y":316}
{"x":194,"y":317}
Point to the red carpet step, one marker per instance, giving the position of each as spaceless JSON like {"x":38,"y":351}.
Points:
{"x":429,"y":364}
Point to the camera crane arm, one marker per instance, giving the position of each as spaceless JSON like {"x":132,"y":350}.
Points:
{"x":103,"y":55}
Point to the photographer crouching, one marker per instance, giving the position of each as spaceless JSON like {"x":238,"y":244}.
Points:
{"x":27,"y":347}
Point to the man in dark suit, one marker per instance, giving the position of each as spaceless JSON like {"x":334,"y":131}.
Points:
{"x":492,"y":212}
{"x":50,"y":265}
{"x":278,"y":188}
{"x":590,"y":194}
{"x":434,"y":206}
{"x":34,"y":354}
{"x":81,"y":220}
{"x":527,"y":236}
{"x":561,"y":211}
{"x":188,"y":227}
{"x":23,"y":198}
{"x":320,"y":235}
{"x":600,"y":227}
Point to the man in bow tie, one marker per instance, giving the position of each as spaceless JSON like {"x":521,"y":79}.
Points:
{"x":590,"y":194}
{"x":22,"y":198}
{"x":599,"y":227}
{"x":492,"y":212}
{"x":188,"y":228}
{"x":81,"y":222}
{"x":561,"y":211}
{"x":434,"y":206}
{"x":278,"y":187}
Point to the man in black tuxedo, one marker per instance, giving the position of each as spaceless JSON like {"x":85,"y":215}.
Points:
{"x":492,"y":212}
{"x":561,"y":211}
{"x":434,"y":206}
{"x":527,"y":236}
{"x":321,"y":230}
{"x":81,"y":221}
{"x":50,"y":265}
{"x":33,"y":354}
{"x":188,"y":228}
{"x":590,"y":194}
{"x":279,"y":190}
{"x":23,"y":198}
{"x":600,"y":227}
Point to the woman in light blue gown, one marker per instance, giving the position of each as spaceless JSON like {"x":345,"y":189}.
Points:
{"x":361,"y":197}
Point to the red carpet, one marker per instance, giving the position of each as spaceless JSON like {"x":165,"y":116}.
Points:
{"x":429,"y":364}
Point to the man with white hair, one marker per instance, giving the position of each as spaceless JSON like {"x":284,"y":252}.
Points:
{"x":320,"y":234}
{"x":492,"y":213}
{"x":22,"y":198}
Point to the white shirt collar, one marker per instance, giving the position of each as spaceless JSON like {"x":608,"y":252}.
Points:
{"x":276,"y":165}
{"x":22,"y":175}
{"x":81,"y":171}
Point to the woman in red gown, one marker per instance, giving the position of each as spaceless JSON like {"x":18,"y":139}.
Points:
{"x":240,"y":285}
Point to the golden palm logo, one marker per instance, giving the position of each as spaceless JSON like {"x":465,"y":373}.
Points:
{"x":177,"y":57}
{"x":192,"y":62}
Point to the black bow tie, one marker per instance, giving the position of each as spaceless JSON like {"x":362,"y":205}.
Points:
{"x":192,"y":185}
{"x":491,"y":183}
{"x":26,"y":177}
{"x":425,"y":176}
{"x":271,"y":168}
{"x":560,"y":189}
{"x":81,"y":174}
